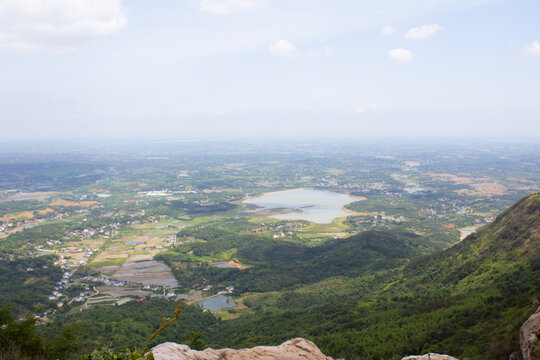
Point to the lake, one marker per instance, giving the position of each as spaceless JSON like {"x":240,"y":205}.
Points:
{"x":217,"y":303}
{"x":318,"y":206}
{"x":223,"y":266}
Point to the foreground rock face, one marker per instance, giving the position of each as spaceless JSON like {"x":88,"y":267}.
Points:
{"x":295,"y":349}
{"x":430,"y":356}
{"x":529,"y":337}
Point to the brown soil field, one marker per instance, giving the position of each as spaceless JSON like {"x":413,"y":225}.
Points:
{"x":66,"y":203}
{"x":25,"y":215}
{"x":528,"y":188}
{"x":147,"y":273}
{"x":19,"y":216}
{"x":450,"y":178}
{"x":467,"y":192}
{"x":491,"y":188}
{"x":520,"y":180}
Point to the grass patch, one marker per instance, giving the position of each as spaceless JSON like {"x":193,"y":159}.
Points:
{"x":109,"y":262}
{"x":140,"y":252}
{"x":336,"y":226}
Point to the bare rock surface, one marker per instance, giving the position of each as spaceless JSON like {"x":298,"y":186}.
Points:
{"x":529,"y":337}
{"x":430,"y":356}
{"x":295,"y":349}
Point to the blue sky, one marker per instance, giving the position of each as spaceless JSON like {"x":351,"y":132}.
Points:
{"x":196,"y":68}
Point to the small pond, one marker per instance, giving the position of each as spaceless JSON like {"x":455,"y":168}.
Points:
{"x":223,"y":266}
{"x":217,"y":303}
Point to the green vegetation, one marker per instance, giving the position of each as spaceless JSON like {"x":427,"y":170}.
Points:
{"x":395,"y":282}
{"x":130,"y":326}
{"x":277,"y":264}
{"x":468,"y":300}
{"x":33,"y":236}
{"x":26,"y":283}
{"x":19,"y":340}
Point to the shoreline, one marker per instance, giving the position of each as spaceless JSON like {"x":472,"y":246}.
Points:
{"x":272,"y":213}
{"x":203,"y":299}
{"x":303,"y":188}
{"x":273,"y":192}
{"x":353,"y":196}
{"x":232,"y":262}
{"x":352,"y":212}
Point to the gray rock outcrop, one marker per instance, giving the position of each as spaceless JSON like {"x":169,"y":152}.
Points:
{"x":430,"y":356}
{"x":295,"y":349}
{"x":529,"y":337}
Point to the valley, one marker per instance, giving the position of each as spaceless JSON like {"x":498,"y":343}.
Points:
{"x":353,"y":249}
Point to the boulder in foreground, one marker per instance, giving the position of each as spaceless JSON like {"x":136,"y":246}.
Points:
{"x":430,"y":356}
{"x":529,"y":337}
{"x":295,"y":349}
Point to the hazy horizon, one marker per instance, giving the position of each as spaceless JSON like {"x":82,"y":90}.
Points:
{"x":194,"y":69}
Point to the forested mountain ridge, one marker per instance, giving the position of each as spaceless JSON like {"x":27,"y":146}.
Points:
{"x":276,"y":264}
{"x":468,"y":300}
{"x":292,"y":265}
{"x":512,"y":240}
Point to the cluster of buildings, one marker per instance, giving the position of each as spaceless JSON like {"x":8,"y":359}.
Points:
{"x":280,"y":227}
{"x":379,"y":221}
{"x":107,"y":231}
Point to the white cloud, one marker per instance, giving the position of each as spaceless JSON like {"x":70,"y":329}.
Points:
{"x":388,"y":30}
{"x":228,"y":6}
{"x":533,"y":49}
{"x":283,"y":48}
{"x":59,"y":25}
{"x":423,"y":32}
{"x":400,"y":54}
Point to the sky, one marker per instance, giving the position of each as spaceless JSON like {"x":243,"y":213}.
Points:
{"x":82,"y":69}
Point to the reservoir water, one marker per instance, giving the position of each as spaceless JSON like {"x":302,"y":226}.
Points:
{"x":223,"y":266}
{"x":318,"y":206}
{"x":217,"y":303}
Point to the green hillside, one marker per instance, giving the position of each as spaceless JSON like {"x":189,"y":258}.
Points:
{"x":376,"y":295}
{"x":283,"y":264}
{"x":468,"y":301}
{"x":277,"y":264}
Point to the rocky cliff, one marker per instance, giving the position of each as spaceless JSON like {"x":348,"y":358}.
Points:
{"x":529,"y":336}
{"x":430,"y":356}
{"x":295,"y":349}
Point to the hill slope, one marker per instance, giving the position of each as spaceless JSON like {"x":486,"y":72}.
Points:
{"x":283,"y":264}
{"x":361,"y":298}
{"x":468,"y":300}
